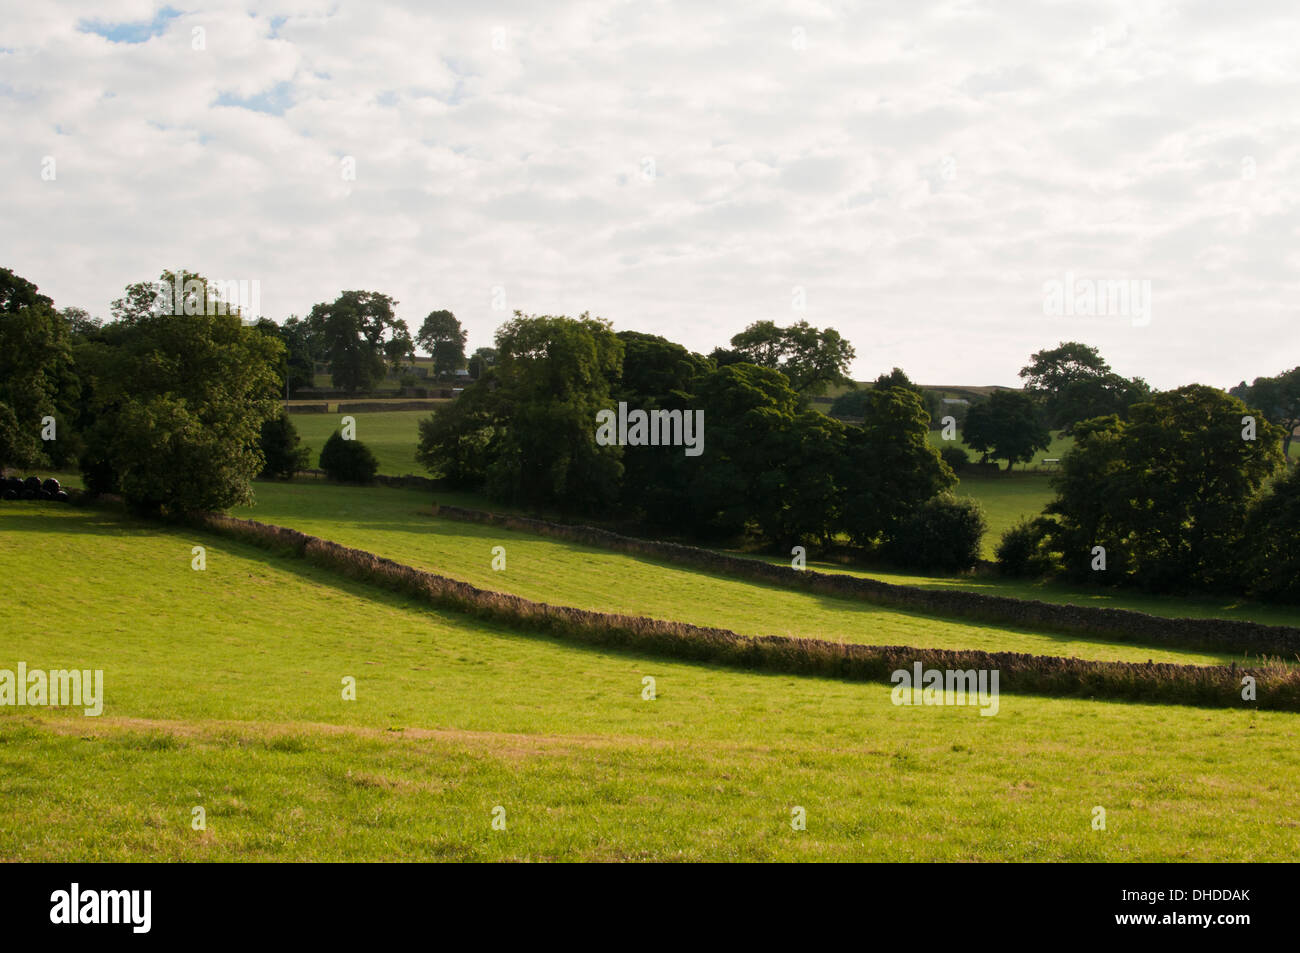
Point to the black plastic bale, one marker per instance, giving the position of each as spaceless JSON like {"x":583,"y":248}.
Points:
{"x":11,"y":493}
{"x":51,"y":486}
{"x":30,"y":494}
{"x":62,"y":496}
{"x":32,"y":483}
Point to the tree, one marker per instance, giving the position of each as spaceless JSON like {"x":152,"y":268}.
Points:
{"x":746,"y":408}
{"x":1165,"y":492}
{"x":812,"y":359}
{"x":348,"y":461}
{"x":16,"y":445}
{"x":442,"y":337}
{"x":459,"y":442}
{"x":1271,"y":543}
{"x":656,"y":374}
{"x":889,"y":469}
{"x":942,"y":535}
{"x":1279,"y":398}
{"x":399,"y":350}
{"x":1073,"y":382}
{"x":354,"y":332}
{"x":178,"y":404}
{"x":484,"y":359}
{"x":1097,"y":396}
{"x":1022,"y":552}
{"x":37,"y":374}
{"x":799,"y":492}
{"x":302,"y":351}
{"x":79,"y":321}
{"x":1006,"y":426}
{"x":280,"y":449}
{"x":552,"y":377}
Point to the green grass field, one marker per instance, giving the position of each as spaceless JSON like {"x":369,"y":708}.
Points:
{"x":392,"y":436}
{"x":1055,"y":450}
{"x":223,"y":691}
{"x":398,"y":524}
{"x":1007,"y":498}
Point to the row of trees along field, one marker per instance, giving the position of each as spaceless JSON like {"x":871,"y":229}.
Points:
{"x":359,"y":337}
{"x":178,"y":412}
{"x":525,"y":433}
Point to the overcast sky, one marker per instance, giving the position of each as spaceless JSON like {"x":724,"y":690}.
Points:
{"x":912,"y":174}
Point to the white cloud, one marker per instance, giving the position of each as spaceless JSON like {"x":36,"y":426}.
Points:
{"x":921,"y":170}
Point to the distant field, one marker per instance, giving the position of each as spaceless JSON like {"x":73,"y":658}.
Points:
{"x":398,"y":524}
{"x":1055,"y":450}
{"x":392,"y":436}
{"x":223,"y":691}
{"x":1007,"y":498}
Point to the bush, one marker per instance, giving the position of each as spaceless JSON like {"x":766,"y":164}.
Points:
{"x":942,"y":535}
{"x":348,"y":461}
{"x":279,"y":443}
{"x":1022,"y":551}
{"x":956,"y":458}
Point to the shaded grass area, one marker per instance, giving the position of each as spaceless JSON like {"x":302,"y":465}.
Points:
{"x":223,"y":691}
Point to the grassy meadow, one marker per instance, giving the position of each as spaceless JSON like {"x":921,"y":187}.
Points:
{"x":391,"y":435}
{"x":223,"y":691}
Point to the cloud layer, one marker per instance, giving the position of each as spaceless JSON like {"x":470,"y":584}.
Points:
{"x":912,"y":173}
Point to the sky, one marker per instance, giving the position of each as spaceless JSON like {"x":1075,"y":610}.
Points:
{"x":926,"y":178}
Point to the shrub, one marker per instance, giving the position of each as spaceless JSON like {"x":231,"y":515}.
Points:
{"x":1022,"y":550}
{"x":956,"y":458}
{"x":348,"y":461}
{"x":279,"y":443}
{"x":943,"y":535}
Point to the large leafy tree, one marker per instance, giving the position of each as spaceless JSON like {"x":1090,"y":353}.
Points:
{"x":37,"y":375}
{"x":1270,"y":556}
{"x":460,"y":442}
{"x":442,"y":336}
{"x":889,"y":468}
{"x":656,"y":374}
{"x":552,"y":377}
{"x":1007,"y":426}
{"x":800,"y":494}
{"x":1279,"y":398}
{"x":1165,"y":492}
{"x":302,"y":350}
{"x":1074,"y":382}
{"x":746,"y":409}
{"x":355,"y":332}
{"x":812,"y":359}
{"x":178,"y":403}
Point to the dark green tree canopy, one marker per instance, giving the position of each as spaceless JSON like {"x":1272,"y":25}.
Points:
{"x":356,"y":332}
{"x":443,"y":338}
{"x":1006,"y":426}
{"x":37,"y":377}
{"x":1073,"y":382}
{"x":812,"y":359}
{"x":1166,"y":491}
{"x":1279,"y":398}
{"x":178,"y":406}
